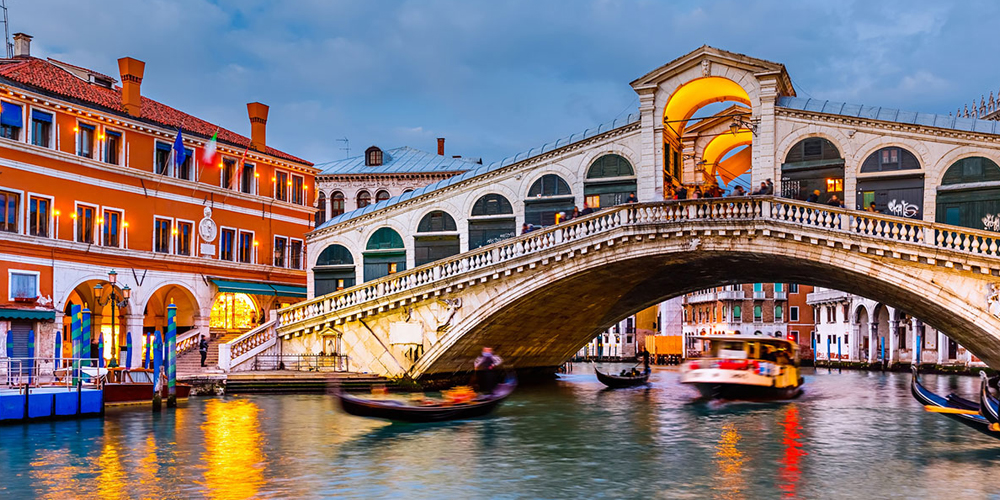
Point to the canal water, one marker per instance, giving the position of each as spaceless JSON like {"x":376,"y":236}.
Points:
{"x":853,"y":435}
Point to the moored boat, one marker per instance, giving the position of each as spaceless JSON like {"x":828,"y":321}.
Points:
{"x":954,"y":407}
{"x":620,"y":381}
{"x":125,"y":386}
{"x":745,"y":367}
{"x":436,"y":412}
{"x":989,"y":405}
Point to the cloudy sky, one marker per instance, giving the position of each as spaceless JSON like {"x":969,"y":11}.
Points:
{"x":499,"y":77}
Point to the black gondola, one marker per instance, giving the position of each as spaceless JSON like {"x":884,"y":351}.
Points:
{"x":928,"y":398}
{"x":397,"y":410}
{"x":618,"y":381}
{"x":989,"y":405}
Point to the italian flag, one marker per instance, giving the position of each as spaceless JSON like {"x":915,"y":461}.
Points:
{"x":209,"y":157}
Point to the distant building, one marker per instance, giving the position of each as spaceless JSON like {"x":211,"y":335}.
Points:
{"x":747,"y":309}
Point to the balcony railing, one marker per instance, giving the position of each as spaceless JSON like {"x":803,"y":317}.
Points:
{"x":732,"y":295}
{"x":697,"y":298}
{"x":759,"y":295}
{"x":780,"y":296}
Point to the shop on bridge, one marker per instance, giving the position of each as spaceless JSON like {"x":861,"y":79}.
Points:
{"x":547,"y":196}
{"x":969,"y":194}
{"x":813,"y":164}
{"x":492,"y":220}
{"x":384,"y":254}
{"x":436,"y":238}
{"x":610,"y":179}
{"x":334,"y":270}
{"x":892,"y":179}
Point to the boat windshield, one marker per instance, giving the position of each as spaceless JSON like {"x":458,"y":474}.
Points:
{"x":760,"y":350}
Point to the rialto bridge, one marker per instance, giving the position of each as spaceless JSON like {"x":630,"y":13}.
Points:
{"x":418,"y":283}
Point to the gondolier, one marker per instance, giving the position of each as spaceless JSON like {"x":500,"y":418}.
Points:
{"x":486,"y":370}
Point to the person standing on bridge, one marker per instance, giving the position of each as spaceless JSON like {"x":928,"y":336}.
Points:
{"x":631,"y":198}
{"x":203,"y":349}
{"x":487,"y":373}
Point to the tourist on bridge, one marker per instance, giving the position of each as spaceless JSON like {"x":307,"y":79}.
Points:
{"x":814,"y":197}
{"x":586,"y":209}
{"x":871,"y":208}
{"x":203,"y":349}
{"x":738,"y":191}
{"x":524,"y":228}
{"x":631,"y":198}
{"x":487,"y":374}
{"x":762,"y":190}
{"x":835,"y":202}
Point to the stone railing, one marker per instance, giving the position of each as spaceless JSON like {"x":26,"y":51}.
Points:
{"x":822,"y":220}
{"x":188,"y":340}
{"x":246,"y":346}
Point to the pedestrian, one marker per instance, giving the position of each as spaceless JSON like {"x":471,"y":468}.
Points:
{"x":203,"y":349}
{"x":524,"y":228}
{"x":631,"y":198}
{"x":682,"y":193}
{"x":486,"y":370}
{"x":770,"y":187}
{"x":738,"y":191}
{"x":871,"y":208}
{"x":762,"y":189}
{"x":835,"y":202}
{"x":576,"y":213}
{"x":814,"y":197}
{"x":586,"y":209}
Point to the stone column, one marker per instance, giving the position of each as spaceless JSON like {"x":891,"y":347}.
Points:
{"x":918,"y":345}
{"x":873,"y":350}
{"x":763,"y":163}
{"x":133,"y":328}
{"x":942,"y":347}
{"x":893,"y":342}
{"x":650,"y":168}
{"x":856,"y":341}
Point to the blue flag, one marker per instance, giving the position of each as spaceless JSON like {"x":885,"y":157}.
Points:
{"x":179,"y":154}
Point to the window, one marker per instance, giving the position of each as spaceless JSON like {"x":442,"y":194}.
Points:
{"x":492,"y":204}
{"x":112,"y":147}
{"x":38,"y":216}
{"x":10,"y":121}
{"x":373,"y":157}
{"x":758,"y":313}
{"x":737,"y":314}
{"x":246,"y":247}
{"x":85,"y":224}
{"x":336,"y":204}
{"x":295,"y":254}
{"x":320,"y":209}
{"x":793,"y":288}
{"x":549,"y":185}
{"x":793,"y":313}
{"x":161,"y":235}
{"x":280,"y":247}
{"x":758,"y":287}
{"x":183,"y":239}
{"x":281,"y":185}
{"x":41,"y":129}
{"x":247,"y":178}
{"x":226,"y":244}
{"x":228,"y":173}
{"x":382,"y":195}
{"x":161,"y":160}
{"x":298,"y":190}
{"x":85,"y":140}
{"x":890,"y":155}
{"x":778,"y":312}
{"x":364,"y":199}
{"x":112,"y":228}
{"x":23,"y":285}
{"x":847,"y":314}
{"x":778,"y":287}
{"x":186,"y":169}
{"x":831,"y":314}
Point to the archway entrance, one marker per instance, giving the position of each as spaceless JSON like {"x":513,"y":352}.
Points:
{"x":891,"y":178}
{"x":813,"y":165}
{"x":969,"y":195}
{"x":436,"y":238}
{"x":384,"y":254}
{"x":234,"y":312}
{"x":334,"y":270}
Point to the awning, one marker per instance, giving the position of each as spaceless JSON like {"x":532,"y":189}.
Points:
{"x":259,"y":288}
{"x":34,"y":314}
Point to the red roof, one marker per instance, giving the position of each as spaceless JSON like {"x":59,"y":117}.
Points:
{"x":48,"y":77}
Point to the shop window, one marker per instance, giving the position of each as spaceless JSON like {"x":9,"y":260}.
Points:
{"x":162,"y":158}
{"x":41,"y":129}
{"x":112,"y":147}
{"x":336,"y":204}
{"x":184,"y":233}
{"x":85,"y":216}
{"x":38,"y":216}
{"x":226,"y":244}
{"x":233,"y":311}
{"x":112,"y":228}
{"x":364,"y":199}
{"x":280,"y":249}
{"x":161,"y":235}
{"x":85,"y":140}
{"x":246,"y":247}
{"x":23,"y":285}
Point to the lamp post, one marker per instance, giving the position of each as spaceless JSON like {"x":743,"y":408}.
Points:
{"x":117,"y":301}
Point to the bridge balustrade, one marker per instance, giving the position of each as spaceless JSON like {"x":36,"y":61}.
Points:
{"x":754,"y":208}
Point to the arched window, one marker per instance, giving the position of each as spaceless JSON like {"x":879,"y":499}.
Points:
{"x":364,"y":199}
{"x":813,"y":164}
{"x":549,"y":185}
{"x":334,"y":270}
{"x":384,"y":254}
{"x":899,"y":195}
{"x":320,"y":209}
{"x":381,"y":195}
{"x":336,"y":204}
{"x":373,"y":157}
{"x":605,"y":186}
{"x":435,"y":246}
{"x":492,"y":221}
{"x":969,"y":194}
{"x":407,"y":190}
{"x":548,"y":196}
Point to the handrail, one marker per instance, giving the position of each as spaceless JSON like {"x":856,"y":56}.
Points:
{"x":753,"y":208}
{"x":188,"y":340}
{"x":245,"y":346}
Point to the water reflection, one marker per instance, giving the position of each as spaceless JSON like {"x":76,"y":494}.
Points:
{"x":111,"y":475}
{"x":789,"y":472}
{"x":233,"y":460}
{"x":729,"y":462}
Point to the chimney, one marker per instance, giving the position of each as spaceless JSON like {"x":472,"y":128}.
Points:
{"x":440,"y":146}
{"x":258,"y":125}
{"x":131,"y":71}
{"x":22,"y":45}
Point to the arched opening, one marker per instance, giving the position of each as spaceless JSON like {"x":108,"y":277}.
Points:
{"x":436,"y":238}
{"x":334,"y":270}
{"x":492,"y":220}
{"x":381,"y":195}
{"x":813,"y":164}
{"x":610,"y":179}
{"x":364,"y":198}
{"x":681,"y":107}
{"x":888,"y":184}
{"x":864,"y":328}
{"x":969,"y":194}
{"x":727,"y":156}
{"x":384,"y":254}
{"x":880,"y":318}
{"x":320,"y":209}
{"x":109,"y":321}
{"x":233,"y":312}
{"x":337,"y":204}
{"x":547,"y":196}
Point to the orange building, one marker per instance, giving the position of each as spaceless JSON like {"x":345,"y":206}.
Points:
{"x":90,"y":182}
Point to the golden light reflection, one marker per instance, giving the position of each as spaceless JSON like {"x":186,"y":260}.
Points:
{"x":729,"y":461}
{"x":233,"y":458}
{"x":697,"y":93}
{"x":789,"y":473}
{"x":147,"y":474}
{"x":111,"y":479}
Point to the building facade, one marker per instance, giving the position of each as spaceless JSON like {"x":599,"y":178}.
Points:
{"x":98,"y":177}
{"x":746,"y":309}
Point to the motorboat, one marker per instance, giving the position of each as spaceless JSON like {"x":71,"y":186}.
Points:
{"x":125,"y":386}
{"x":427,"y":411}
{"x":952,"y":406}
{"x":620,"y":381}
{"x":745,"y":367}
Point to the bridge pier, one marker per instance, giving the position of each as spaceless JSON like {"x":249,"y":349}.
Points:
{"x":873,"y":346}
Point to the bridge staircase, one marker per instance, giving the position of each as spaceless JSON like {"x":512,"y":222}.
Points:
{"x":189,"y":361}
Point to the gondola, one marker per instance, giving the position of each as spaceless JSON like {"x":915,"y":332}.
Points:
{"x":989,"y":405}
{"x":400,"y":411}
{"x":617,"y":381}
{"x":928,"y":398}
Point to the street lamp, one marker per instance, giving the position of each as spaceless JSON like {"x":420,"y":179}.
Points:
{"x":119,"y":301}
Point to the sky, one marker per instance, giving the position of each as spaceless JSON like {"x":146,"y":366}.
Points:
{"x":499,"y":77}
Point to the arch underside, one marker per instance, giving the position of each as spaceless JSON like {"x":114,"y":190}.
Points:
{"x":543,"y":322}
